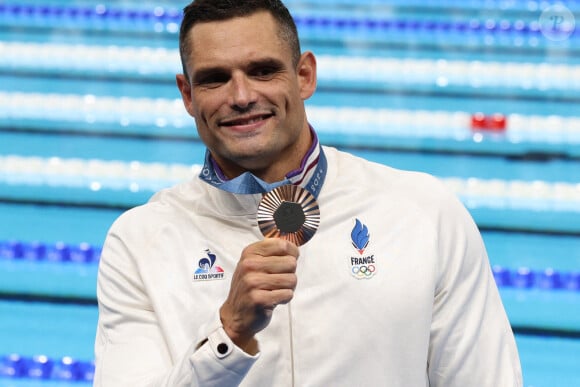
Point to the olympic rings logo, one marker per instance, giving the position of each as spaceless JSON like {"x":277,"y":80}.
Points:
{"x":363,"y":270}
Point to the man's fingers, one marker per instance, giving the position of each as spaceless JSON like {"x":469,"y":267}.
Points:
{"x":269,"y":264}
{"x":269,"y":281}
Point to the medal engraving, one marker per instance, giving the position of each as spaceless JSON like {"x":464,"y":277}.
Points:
{"x":289,"y":212}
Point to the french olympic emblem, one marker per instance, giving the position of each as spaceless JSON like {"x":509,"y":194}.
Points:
{"x":361,"y":266}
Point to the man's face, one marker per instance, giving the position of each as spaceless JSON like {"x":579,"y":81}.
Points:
{"x":246,"y":94}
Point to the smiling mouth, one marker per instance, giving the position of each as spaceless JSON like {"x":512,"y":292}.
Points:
{"x":246,"y":120}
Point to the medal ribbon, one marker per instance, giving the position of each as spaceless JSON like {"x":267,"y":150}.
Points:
{"x":248,"y":183}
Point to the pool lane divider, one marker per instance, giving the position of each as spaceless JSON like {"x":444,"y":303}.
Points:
{"x":526,"y":278}
{"x":43,"y":368}
{"x":54,"y":277}
{"x":85,"y":253}
{"x":133,"y":176}
{"x":166,"y":20}
{"x":59,"y":251}
{"x":159,"y":64}
{"x":538,"y":206}
{"x":534,"y":298}
{"x":498,"y":133}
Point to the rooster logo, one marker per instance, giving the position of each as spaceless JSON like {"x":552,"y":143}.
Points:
{"x":206,"y":264}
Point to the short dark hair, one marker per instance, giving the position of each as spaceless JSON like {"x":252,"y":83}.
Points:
{"x":200,"y":11}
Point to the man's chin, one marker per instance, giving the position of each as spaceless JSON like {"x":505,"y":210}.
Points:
{"x":256,"y":160}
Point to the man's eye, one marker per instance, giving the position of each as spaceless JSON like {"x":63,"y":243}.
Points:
{"x":264,"y":72}
{"x":212,"y":80}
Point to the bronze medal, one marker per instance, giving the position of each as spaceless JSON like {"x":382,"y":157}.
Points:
{"x":289,"y":212}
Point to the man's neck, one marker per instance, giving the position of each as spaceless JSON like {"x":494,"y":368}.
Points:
{"x":310,"y":174}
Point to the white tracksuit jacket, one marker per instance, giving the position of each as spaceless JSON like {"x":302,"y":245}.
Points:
{"x":426,"y":311}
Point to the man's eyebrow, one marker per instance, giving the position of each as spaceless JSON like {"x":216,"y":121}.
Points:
{"x":266,"y":62}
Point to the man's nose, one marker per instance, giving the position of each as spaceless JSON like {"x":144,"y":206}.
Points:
{"x":242,"y":94}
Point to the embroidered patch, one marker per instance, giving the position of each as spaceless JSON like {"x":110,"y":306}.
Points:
{"x":207,"y":269}
{"x":361,"y":266}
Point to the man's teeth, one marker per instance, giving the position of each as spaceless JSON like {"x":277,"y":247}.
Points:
{"x":246,"y":122}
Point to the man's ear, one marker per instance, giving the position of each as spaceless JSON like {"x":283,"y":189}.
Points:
{"x":185,"y":90}
{"x":307,"y":74}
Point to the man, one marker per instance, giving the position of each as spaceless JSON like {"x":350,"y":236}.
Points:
{"x":393,"y":289}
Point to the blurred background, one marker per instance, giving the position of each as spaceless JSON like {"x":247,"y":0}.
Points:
{"x":484,"y":94}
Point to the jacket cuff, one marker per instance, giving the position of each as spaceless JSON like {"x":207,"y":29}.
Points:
{"x":218,"y":361}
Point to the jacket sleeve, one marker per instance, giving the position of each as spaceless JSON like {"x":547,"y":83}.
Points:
{"x":471,"y":339}
{"x":130,"y":348}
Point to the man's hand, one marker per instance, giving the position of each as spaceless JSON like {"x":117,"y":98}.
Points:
{"x":264,"y":277}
